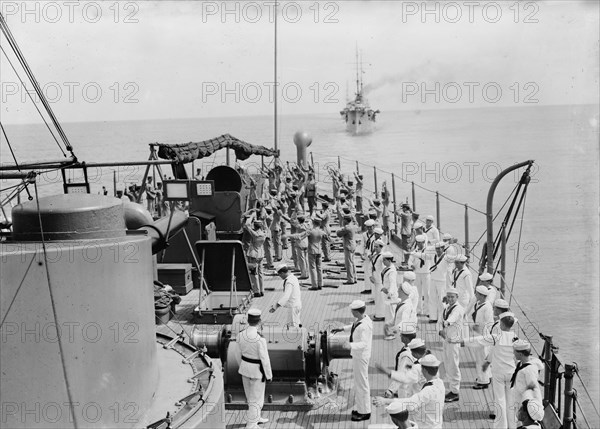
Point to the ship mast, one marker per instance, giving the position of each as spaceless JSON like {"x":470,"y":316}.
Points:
{"x":357,"y":81}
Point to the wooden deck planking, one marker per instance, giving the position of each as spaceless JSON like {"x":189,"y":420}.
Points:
{"x":320,"y":310}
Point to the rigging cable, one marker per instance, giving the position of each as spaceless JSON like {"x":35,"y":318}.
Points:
{"x":33,"y":102}
{"x":15,"y":47}
{"x":53,"y":303}
{"x":15,"y":159}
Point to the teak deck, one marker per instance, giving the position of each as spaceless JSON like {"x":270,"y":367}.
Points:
{"x":329,"y":307}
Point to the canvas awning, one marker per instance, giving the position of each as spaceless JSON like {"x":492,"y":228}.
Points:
{"x":187,"y":152}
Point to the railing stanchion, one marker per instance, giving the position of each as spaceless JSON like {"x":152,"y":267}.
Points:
{"x":437,"y":209}
{"x":548,"y":369}
{"x":467,"y":248}
{"x":395,"y":205}
{"x":570,"y":396}
{"x":357,"y":170}
{"x":414,"y":197}
{"x":375,"y":178}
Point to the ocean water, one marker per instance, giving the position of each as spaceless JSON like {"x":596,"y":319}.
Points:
{"x":455,"y":152}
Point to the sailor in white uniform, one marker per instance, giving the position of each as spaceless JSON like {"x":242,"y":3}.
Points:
{"x":433,"y":235}
{"x":502,"y":360}
{"x":481,"y":315}
{"x":255,"y":368}
{"x":439,"y":277}
{"x":390,"y":293}
{"x":451,"y":330}
{"x":420,"y":260}
{"x":367,"y":239}
{"x":291,"y":298}
{"x":359,"y":344}
{"x":406,"y":377}
{"x":376,"y":262}
{"x":462,"y":280}
{"x":531,"y":412}
{"x":405,"y":313}
{"x":410,"y":277}
{"x":524,"y":381}
{"x":485,"y":279}
{"x":425,"y":407}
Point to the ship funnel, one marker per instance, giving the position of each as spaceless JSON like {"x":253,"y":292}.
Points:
{"x":302,"y":140}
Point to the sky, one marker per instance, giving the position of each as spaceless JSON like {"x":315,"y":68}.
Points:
{"x":103,"y":61}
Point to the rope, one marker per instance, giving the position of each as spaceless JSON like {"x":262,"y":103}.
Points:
{"x":587,"y":392}
{"x":15,"y":47}
{"x":53,"y":303}
{"x":34,"y":103}
{"x":518,"y":249}
{"x":17,"y":292}
{"x":14,"y":158}
{"x":580,"y":408}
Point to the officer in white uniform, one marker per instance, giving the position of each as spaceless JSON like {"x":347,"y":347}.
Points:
{"x":390,"y":293}
{"x":501,"y":358}
{"x":426,"y":407}
{"x":481,"y":315}
{"x":462,"y":280}
{"x":531,"y":412}
{"x":376,"y":263}
{"x":524,"y":381}
{"x":433,"y":235}
{"x":255,"y":368}
{"x":439,"y":277}
{"x":451,"y":330}
{"x":420,"y":260}
{"x":291,"y":298}
{"x":359,"y":344}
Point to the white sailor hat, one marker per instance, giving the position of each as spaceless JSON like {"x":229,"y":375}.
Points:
{"x":521,"y":345}
{"x":461,"y":258}
{"x":357,"y":304}
{"x":254,"y":314}
{"x":507,"y":314}
{"x":397,"y":410}
{"x":406,"y":288}
{"x":440,"y":245}
{"x":452,"y":290}
{"x":408,"y":328}
{"x":378,"y":230}
{"x":418,"y":224}
{"x":486,"y":277}
{"x":280,"y":267}
{"x":500,"y":303}
{"x":430,"y":217}
{"x":420,"y":238}
{"x":535,"y":409}
{"x":415,"y":343}
{"x":369,"y":222}
{"x":429,"y":361}
{"x":409,"y":275}
{"x":446,"y":236}
{"x":387,"y":255}
{"x":379,"y":242}
{"x":482,"y":290}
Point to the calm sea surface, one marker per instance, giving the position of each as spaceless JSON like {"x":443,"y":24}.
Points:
{"x":455,"y":152}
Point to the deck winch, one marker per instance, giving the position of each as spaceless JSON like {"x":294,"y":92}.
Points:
{"x":299,"y":357}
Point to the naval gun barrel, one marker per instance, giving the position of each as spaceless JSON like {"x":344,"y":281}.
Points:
{"x":164,"y":228}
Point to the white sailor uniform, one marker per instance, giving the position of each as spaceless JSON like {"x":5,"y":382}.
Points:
{"x":361,"y":337}
{"x":426,"y":407}
{"x":439,"y":278}
{"x":502,"y":360}
{"x":376,"y":263}
{"x":452,"y":324}
{"x":463,"y":282}
{"x":525,"y":379}
{"x":291,"y":300}
{"x":421,"y":261}
{"x":255,"y":369}
{"x":482,"y":316}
